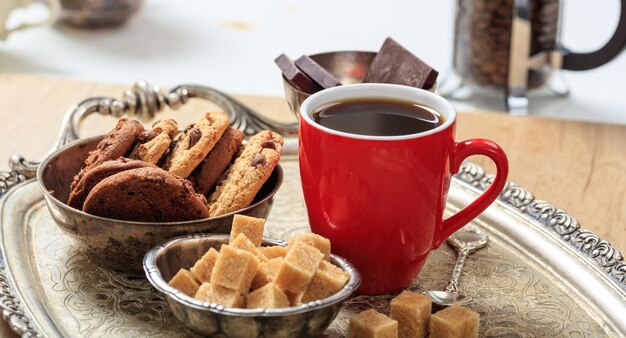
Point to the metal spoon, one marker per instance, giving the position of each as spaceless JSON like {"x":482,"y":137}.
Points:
{"x":465,"y":241}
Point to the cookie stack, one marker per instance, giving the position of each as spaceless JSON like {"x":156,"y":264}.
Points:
{"x":163,"y":175}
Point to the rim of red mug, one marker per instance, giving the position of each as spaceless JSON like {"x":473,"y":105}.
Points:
{"x":373,"y":91}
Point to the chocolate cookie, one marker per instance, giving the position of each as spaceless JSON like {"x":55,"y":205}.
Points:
{"x":192,"y":146}
{"x":208,"y":172}
{"x":115,"y":144}
{"x":153,"y":144}
{"x":148,"y":194}
{"x":97,"y":173}
{"x":247,"y":174}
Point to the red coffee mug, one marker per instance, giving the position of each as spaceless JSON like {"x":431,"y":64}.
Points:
{"x":380,"y":199}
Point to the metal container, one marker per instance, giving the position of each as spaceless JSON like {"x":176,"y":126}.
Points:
{"x":98,"y":13}
{"x":306,"y":320}
{"x":541,"y":275}
{"x":346,"y":66}
{"x":508,"y":47}
{"x":119,"y":244}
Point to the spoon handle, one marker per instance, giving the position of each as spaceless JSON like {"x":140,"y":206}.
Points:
{"x":458,"y":269}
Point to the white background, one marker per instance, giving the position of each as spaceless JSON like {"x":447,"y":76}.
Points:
{"x":231,"y":45}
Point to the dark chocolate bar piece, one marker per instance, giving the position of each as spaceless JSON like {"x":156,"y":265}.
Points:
{"x":295,"y":76}
{"x":316,"y":72}
{"x":395,"y":64}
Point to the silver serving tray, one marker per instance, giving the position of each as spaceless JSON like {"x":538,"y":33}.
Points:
{"x":541,"y":275}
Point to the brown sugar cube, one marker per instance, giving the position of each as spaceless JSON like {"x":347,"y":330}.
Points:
{"x":269,"y":296}
{"x":320,"y":243}
{"x":298,"y":267}
{"x":327,"y":280}
{"x":219,"y":295}
{"x":371,"y":324}
{"x":294,"y":298}
{"x":204,"y":266}
{"x":250,"y":226}
{"x":185,"y":281}
{"x":242,"y":242}
{"x":454,"y":321}
{"x":266,"y":273}
{"x":274,"y":251}
{"x":412,"y":311}
{"x":234,"y":269}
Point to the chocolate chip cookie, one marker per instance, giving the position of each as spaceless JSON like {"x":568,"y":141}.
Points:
{"x":193,"y":145}
{"x":208,"y":172}
{"x":148,"y":194}
{"x":97,"y":173}
{"x":247,"y":174}
{"x":115,"y":144}
{"x":153,"y":144}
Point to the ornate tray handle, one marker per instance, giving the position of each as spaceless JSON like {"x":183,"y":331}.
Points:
{"x":8,"y":179}
{"x":144,"y":101}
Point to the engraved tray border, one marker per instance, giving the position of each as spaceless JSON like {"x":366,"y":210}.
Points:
{"x":603,"y":259}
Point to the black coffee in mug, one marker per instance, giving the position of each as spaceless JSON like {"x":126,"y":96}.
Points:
{"x":378,"y":117}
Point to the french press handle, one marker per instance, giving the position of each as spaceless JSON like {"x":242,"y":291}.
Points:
{"x":616,"y":45}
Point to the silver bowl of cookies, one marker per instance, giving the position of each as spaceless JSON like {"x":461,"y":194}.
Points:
{"x":123,"y":193}
{"x":244,"y":285}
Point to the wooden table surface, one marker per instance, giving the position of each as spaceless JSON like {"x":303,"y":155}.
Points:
{"x":577,"y":166}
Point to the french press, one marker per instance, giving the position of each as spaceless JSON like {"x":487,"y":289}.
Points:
{"x":512,"y":46}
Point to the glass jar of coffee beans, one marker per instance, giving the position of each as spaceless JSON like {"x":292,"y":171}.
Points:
{"x":482,"y":42}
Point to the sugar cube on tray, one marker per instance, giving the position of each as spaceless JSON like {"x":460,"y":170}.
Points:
{"x":455,"y":322}
{"x":412,"y":311}
{"x":372,"y":324}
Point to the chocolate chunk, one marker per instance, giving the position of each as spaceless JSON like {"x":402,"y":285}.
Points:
{"x":269,"y":145}
{"x":295,"y":76}
{"x":147,"y":135}
{"x":395,"y":64}
{"x":194,"y":136}
{"x":173,"y":145}
{"x":189,"y":127}
{"x":258,"y":159}
{"x":316,"y":72}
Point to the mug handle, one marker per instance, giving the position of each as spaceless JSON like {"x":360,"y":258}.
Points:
{"x":53,"y":5}
{"x":461,"y":151}
{"x":616,"y":45}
